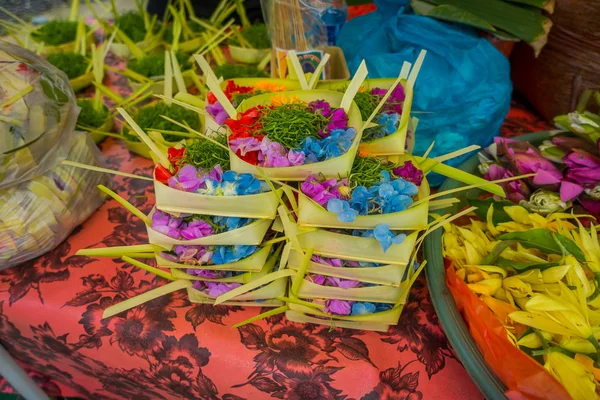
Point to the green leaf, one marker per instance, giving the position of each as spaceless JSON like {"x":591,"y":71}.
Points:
{"x":452,"y":14}
{"x":546,"y":241}
{"x":547,"y":5}
{"x":521,"y":266}
{"x":491,"y":258}
{"x":483,"y":205}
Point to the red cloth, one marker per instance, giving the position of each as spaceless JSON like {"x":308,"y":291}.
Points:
{"x":357,"y":11}
{"x":50,"y":321}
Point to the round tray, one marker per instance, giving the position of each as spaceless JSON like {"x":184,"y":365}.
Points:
{"x":450,"y":318}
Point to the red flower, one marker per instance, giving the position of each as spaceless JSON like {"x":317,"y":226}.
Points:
{"x":175,"y":155}
{"x":232,"y":89}
{"x":211,"y":98}
{"x":162,"y":174}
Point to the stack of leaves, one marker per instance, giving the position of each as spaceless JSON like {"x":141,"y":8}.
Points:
{"x":72,"y":64}
{"x":537,"y":293}
{"x":514,"y":20}
{"x":150,"y":118}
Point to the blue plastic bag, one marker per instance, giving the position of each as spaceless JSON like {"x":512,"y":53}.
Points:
{"x":463,"y":91}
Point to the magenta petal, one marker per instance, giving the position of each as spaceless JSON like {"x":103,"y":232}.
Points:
{"x":569,"y":190}
{"x":592,"y":206}
{"x":544,"y":177}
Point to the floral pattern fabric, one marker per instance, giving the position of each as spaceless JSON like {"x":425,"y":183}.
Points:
{"x":51,"y":323}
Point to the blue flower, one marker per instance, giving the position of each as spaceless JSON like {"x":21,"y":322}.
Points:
{"x":229,"y":254}
{"x":362,"y":308}
{"x":362,"y":233}
{"x":385,"y":237}
{"x":389,"y":123}
{"x":380,"y":307}
{"x":365,"y":264}
{"x":232,"y":223}
{"x":248,"y":184}
{"x":405,"y":187}
{"x":229,"y":176}
{"x":334,"y":145}
{"x":343,"y":210}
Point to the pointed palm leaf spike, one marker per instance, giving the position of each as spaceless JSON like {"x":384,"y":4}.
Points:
{"x":414,"y":72}
{"x":318,"y":71}
{"x":130,"y":207}
{"x":177,"y":73}
{"x":182,"y":103}
{"x":119,"y":251}
{"x":133,"y":48}
{"x":200,"y":134}
{"x":146,"y":297}
{"x":215,"y":88}
{"x":266,"y":314}
{"x":177,"y":29}
{"x":168,"y":82}
{"x":148,"y":268}
{"x":354,"y":87}
{"x":253,"y":285}
{"x":164,"y":161}
{"x":74,"y":11}
{"x":105,"y":170}
{"x":403,"y":72}
{"x":457,"y":153}
{"x":216,"y":38}
{"x":293,"y":58}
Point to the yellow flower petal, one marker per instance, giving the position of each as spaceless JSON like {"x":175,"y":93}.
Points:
{"x":540,"y":322}
{"x":573,"y":375}
{"x":533,"y":341}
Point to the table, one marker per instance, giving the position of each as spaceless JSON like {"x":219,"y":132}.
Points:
{"x":50,"y":322}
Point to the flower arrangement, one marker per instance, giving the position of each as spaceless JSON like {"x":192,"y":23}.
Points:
{"x":566,"y":172}
{"x":237,"y":90}
{"x":392,"y":132}
{"x":528,"y":289}
{"x":293,"y":135}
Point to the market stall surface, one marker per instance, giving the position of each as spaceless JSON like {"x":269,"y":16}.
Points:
{"x":50,"y":321}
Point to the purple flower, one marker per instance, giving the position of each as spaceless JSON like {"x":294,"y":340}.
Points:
{"x":516,"y":190}
{"x":378,"y":92}
{"x":532,"y":162}
{"x":244,"y":145}
{"x":215,"y":289}
{"x":296,"y":157}
{"x":320,"y":106}
{"x":216,"y":174}
{"x":334,"y":262}
{"x":322,"y":192}
{"x":168,"y":257}
{"x":197,"y":229}
{"x":342,"y":283}
{"x":207,"y":273}
{"x":338,"y":307}
{"x":217,"y":111}
{"x":167,"y":225}
{"x":339,"y":120}
{"x":591,"y":205}
{"x":318,"y":279}
{"x":409,"y":172}
{"x":193,"y":254}
{"x":186,"y":180}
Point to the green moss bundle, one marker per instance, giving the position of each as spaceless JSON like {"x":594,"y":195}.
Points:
{"x":132,"y":24}
{"x":230,"y":71}
{"x":154,"y":65}
{"x":89,"y":116}
{"x":193,"y":25}
{"x":256,"y":35}
{"x":72,"y":64}
{"x":56,"y":32}
{"x":204,"y":154}
{"x":149,"y":118}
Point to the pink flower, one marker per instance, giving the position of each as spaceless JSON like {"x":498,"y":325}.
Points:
{"x":320,"y":106}
{"x":207,"y":273}
{"x":532,"y":162}
{"x":244,"y":145}
{"x":186,"y":180}
{"x":342,"y":283}
{"x":409,"y":172}
{"x":338,"y":307}
{"x":317,"y":279}
{"x":197,"y":229}
{"x":334,"y":262}
{"x":216,"y":174}
{"x":215,"y":289}
{"x":583,"y":168}
{"x":296,"y":157}
{"x":516,"y":190}
{"x":569,"y":190}
{"x":322,"y":192}
{"x":167,"y":225}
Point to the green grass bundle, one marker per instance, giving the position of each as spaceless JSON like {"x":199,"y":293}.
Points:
{"x":204,"y":154}
{"x":132,"y":24}
{"x":230,"y":71}
{"x":256,"y":36}
{"x":149,"y":118}
{"x":56,"y":32}
{"x":72,"y":64}
{"x":154,"y":65}
{"x":89,"y":116}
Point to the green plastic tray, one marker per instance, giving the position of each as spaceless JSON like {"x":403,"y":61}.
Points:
{"x":450,"y":318}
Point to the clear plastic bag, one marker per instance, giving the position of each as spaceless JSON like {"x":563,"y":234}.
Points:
{"x":37,"y":115}
{"x":41,"y":200}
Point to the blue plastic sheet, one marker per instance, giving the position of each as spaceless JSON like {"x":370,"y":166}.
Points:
{"x":463,"y":91}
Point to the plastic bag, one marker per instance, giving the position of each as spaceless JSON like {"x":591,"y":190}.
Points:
{"x":41,"y":200}
{"x":37,"y":115}
{"x":462,"y":94}
{"x":36,"y":215}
